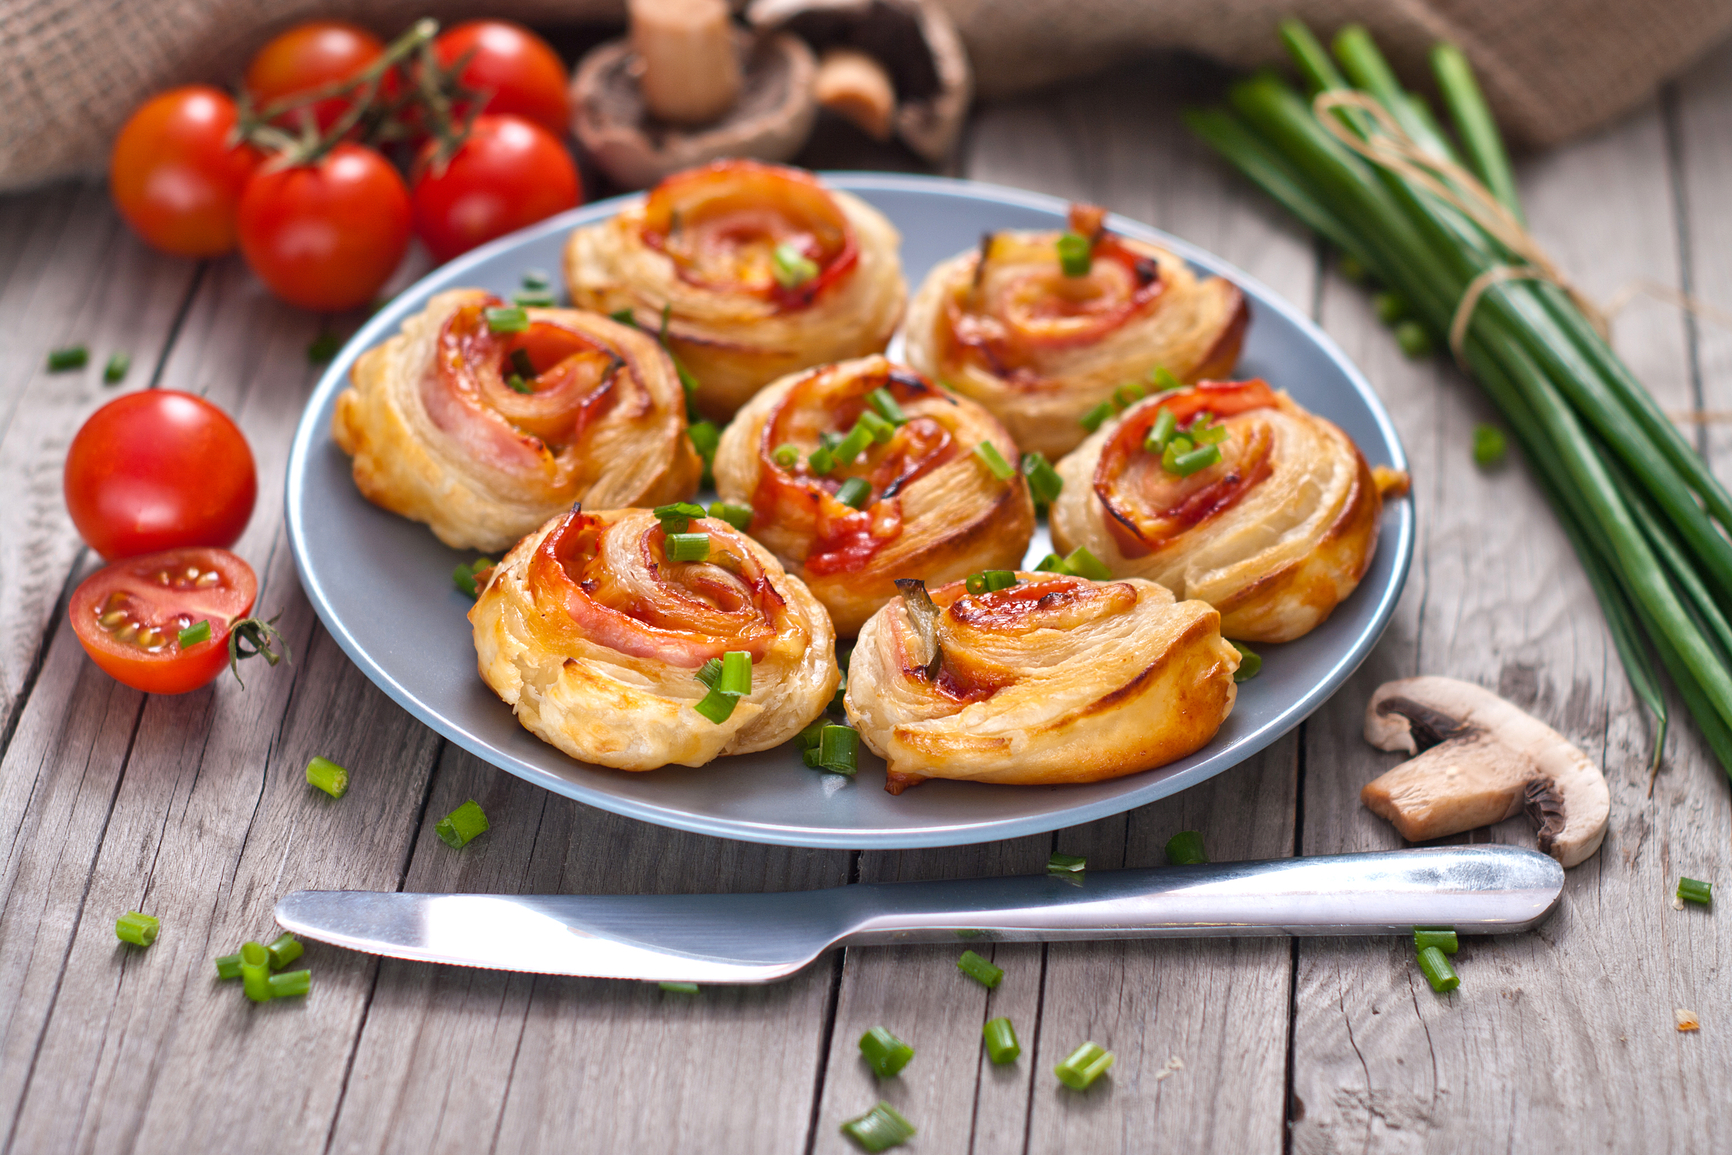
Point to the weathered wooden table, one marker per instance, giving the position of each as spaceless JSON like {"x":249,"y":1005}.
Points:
{"x":194,"y":808}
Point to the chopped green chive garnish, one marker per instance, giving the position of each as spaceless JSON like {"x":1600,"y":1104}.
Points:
{"x":990,"y":581}
{"x":679,"y":988}
{"x":458,"y":828}
{"x":138,"y":929}
{"x":786,"y":455}
{"x":1057,"y":863}
{"x":73,"y":357}
{"x":880,"y":429}
{"x":979,"y":969}
{"x":285,"y":950}
{"x":1390,"y":307}
{"x":1438,"y":972}
{"x":517,"y":384}
{"x":328,"y":776}
{"x":464,"y":576}
{"x":256,"y":972}
{"x":1043,"y":480}
{"x":1203,"y":456}
{"x":854,"y":492}
{"x":1250,"y":662}
{"x":808,"y":738}
{"x":879,"y":1129}
{"x":1443,"y":940}
{"x":1489,"y":445}
{"x":1414,"y":340}
{"x":709,"y":672}
{"x":886,"y":406}
{"x":885,"y":1053}
{"x":1096,"y":417}
{"x":1052,"y":563}
{"x":1082,"y":563}
{"x":736,"y":676}
{"x":624,"y":317}
{"x":791,"y":267}
{"x":677,"y":517}
{"x":228,"y":966}
{"x":536,"y":279}
{"x":1083,"y":1066}
{"x":194,"y":634}
{"x":115,"y":371}
{"x":1161,"y":432}
{"x":1163,"y":380}
{"x":1692,"y":890}
{"x":1128,"y":394}
{"x":821,"y":461}
{"x":1186,"y":849}
{"x":854,"y":444}
{"x":323,"y":347}
{"x":522,"y":365}
{"x":1202,"y":433}
{"x":994,"y":461}
{"x":687,"y":546}
{"x":1075,"y":254}
{"x":716,"y":706}
{"x":738,"y":516}
{"x":838,"y":749}
{"x":533,"y":299}
{"x":506,"y":318}
{"x":1001,"y":1044}
{"x":290,"y":984}
{"x":705,"y":437}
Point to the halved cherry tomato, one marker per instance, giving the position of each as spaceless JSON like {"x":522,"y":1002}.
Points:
{"x":158,"y":469}
{"x":521,"y":71}
{"x":327,"y":235}
{"x":309,"y":56}
{"x":509,"y":173}
{"x":176,"y":177}
{"x":129,"y":616}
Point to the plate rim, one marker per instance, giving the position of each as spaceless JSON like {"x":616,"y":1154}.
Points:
{"x":951,"y":832}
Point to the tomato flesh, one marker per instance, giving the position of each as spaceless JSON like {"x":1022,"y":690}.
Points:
{"x":510,"y":173}
{"x":175,"y":176}
{"x":128,"y":616}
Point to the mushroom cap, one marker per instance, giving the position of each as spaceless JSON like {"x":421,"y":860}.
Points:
{"x":771,"y":120}
{"x":1479,"y":760}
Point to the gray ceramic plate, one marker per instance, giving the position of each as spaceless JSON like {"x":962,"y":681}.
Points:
{"x":382,"y":584}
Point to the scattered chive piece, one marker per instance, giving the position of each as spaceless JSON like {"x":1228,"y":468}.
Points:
{"x":885,"y":1053}
{"x":1443,"y":940}
{"x":854,"y":444}
{"x":1163,"y":380}
{"x":1043,"y":480}
{"x":328,"y":776}
{"x":1052,"y":563}
{"x":1691,"y":890}
{"x":839,"y":749}
{"x":517,"y":384}
{"x":506,"y":318}
{"x":821,"y":461}
{"x":1489,"y":445}
{"x":1082,"y":563}
{"x":680,"y":988}
{"x":880,"y":429}
{"x":677,"y":516}
{"x":980,"y":970}
{"x":73,"y":357}
{"x":1001,"y":1044}
{"x":1250,"y":662}
{"x":1128,"y":394}
{"x":716,"y":706}
{"x":808,"y":738}
{"x":994,"y":461}
{"x":709,"y":672}
{"x":116,"y":369}
{"x":1096,"y":417}
{"x":464,"y":576}
{"x":1207,"y":434}
{"x":290,"y":984}
{"x":256,"y":972}
{"x":138,"y":929}
{"x":228,"y":966}
{"x":536,"y":279}
{"x":830,"y":439}
{"x":1057,"y":863}
{"x":791,"y":267}
{"x":533,"y":299}
{"x":1186,"y":849}
{"x":1161,"y":432}
{"x":1083,"y":1066}
{"x":1197,"y":459}
{"x":999,"y":579}
{"x":1390,"y":307}
{"x":462,"y":825}
{"x":879,"y":1129}
{"x":687,"y":546}
{"x":854,"y":492}
{"x":624,"y":317}
{"x":323,"y":347}
{"x":738,"y":516}
{"x":1438,"y":972}
{"x":1415,"y":342}
{"x":1170,"y":455}
{"x":705,"y":437}
{"x":786,"y":455}
{"x":886,"y":406}
{"x":194,"y":634}
{"x":1075,"y":254}
{"x":736,"y":676}
{"x":285,"y":950}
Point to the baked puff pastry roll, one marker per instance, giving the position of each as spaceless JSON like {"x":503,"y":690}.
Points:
{"x":761,"y":271}
{"x":1042,"y":337}
{"x":861,"y":473}
{"x":484,"y":421}
{"x":1051,"y":680}
{"x":1229,"y":493}
{"x":596,"y":635}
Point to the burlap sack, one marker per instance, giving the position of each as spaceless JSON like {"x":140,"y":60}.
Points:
{"x":71,"y":70}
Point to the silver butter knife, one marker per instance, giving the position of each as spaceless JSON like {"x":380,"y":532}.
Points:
{"x":759,"y":938}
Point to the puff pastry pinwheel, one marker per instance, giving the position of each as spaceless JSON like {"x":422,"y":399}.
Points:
{"x":612,"y":649}
{"x":1041,"y":328}
{"x":483,"y":420}
{"x":1039,"y":679}
{"x":753,"y":270}
{"x":861,"y":473}
{"x":1230,"y":493}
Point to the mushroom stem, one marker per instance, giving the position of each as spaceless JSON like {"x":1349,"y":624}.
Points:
{"x":857,"y":88}
{"x":690,"y":68}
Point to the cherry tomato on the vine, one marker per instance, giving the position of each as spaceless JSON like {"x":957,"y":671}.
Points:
{"x":519,"y":69}
{"x":157,"y":469}
{"x":174,"y":174}
{"x":327,"y":235}
{"x":310,"y":56}
{"x":509,"y":173}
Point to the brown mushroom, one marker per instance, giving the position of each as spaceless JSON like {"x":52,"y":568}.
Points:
{"x":916,"y":50}
{"x":1480,"y":760}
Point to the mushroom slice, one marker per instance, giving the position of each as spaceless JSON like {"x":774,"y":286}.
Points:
{"x":1480,"y":760}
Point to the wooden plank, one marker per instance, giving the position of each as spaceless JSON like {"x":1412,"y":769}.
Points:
{"x":1703,"y":142}
{"x":1562,"y":1038}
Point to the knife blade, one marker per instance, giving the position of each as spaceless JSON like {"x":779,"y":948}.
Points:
{"x":758,"y":938}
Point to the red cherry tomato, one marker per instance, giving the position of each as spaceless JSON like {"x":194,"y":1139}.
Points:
{"x":328,"y":235}
{"x":174,"y":175}
{"x":158,"y":469}
{"x":310,"y":56}
{"x":508,"y":174}
{"x":129,"y":616}
{"x":519,"y":68}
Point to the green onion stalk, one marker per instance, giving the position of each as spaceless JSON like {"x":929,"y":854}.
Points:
{"x":1638,"y":504}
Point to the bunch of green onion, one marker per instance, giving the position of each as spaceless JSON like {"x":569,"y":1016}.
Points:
{"x":1646,"y":517}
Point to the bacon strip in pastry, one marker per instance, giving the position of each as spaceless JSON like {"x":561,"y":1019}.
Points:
{"x":927,"y":505}
{"x":595,"y":637}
